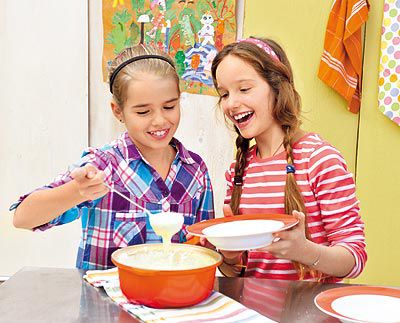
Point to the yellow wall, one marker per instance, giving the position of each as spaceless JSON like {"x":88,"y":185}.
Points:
{"x":378,"y":174}
{"x":299,"y":26}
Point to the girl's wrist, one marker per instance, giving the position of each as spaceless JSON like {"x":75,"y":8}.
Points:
{"x":233,"y":266}
{"x":76,"y":193}
{"x":314,"y":252}
{"x":317,"y":258}
{"x":232,"y":261}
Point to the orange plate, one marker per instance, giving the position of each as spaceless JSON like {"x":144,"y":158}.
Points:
{"x":288,"y":220}
{"x":325,"y":299}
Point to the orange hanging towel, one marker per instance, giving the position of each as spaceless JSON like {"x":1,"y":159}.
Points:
{"x":341,"y":62}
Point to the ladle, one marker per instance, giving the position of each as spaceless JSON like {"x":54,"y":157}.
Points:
{"x":166,"y":229}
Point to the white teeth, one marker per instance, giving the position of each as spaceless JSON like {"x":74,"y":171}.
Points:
{"x":242,"y":115}
{"x":158,"y":133}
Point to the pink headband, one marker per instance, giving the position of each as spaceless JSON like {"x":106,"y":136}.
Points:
{"x":263,"y":45}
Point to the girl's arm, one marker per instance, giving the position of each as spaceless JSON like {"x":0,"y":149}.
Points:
{"x":42,"y":206}
{"x":333,"y":186}
{"x":333,"y":260}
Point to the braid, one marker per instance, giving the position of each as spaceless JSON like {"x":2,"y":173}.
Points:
{"x":294,"y":201}
{"x":285,"y":112}
{"x":242,"y":146}
{"x":293,"y":197}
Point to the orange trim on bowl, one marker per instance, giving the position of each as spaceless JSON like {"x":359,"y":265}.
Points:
{"x":288,"y":221}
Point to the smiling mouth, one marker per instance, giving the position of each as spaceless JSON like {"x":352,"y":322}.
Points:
{"x":159,"y":133}
{"x":243,"y":117}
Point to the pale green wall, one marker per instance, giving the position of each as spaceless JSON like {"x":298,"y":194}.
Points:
{"x":300,"y":27}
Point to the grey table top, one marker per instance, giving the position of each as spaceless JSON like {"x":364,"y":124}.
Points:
{"x":61,"y":295}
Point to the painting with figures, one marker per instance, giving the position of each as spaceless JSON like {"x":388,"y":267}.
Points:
{"x":190,"y":31}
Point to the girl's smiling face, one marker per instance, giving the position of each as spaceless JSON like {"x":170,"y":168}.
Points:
{"x":151,"y":112}
{"x":246,"y":98}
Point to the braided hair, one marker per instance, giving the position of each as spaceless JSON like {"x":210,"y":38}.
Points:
{"x":286,"y":111}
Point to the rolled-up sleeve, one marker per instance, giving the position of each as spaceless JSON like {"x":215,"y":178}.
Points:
{"x":90,"y":156}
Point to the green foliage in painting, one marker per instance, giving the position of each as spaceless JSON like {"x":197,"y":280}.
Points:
{"x":137,"y":5}
{"x":187,"y":11}
{"x":229,"y":27}
{"x":121,"y":17}
{"x":202,"y":7}
{"x":195,"y":23}
{"x":180,"y":62}
{"x":170,"y":14}
{"x":134,"y":32}
{"x":119,"y":36}
{"x":169,"y":4}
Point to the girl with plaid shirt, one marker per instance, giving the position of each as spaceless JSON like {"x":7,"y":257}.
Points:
{"x":146,"y":163}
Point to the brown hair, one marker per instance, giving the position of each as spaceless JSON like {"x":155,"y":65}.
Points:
{"x":286,"y":111}
{"x":156,"y":67}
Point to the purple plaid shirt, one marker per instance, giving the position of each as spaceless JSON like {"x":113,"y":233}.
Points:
{"x":111,"y":222}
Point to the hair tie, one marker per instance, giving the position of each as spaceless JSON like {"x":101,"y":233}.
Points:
{"x":238,"y":181}
{"x":290,"y":169}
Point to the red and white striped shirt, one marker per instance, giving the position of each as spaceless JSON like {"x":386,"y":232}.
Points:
{"x":328,"y":191}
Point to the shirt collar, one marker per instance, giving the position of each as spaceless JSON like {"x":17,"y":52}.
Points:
{"x":130,"y":152}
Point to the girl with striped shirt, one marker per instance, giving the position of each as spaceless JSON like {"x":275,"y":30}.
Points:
{"x":286,"y":171}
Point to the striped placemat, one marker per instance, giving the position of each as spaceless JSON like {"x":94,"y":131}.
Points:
{"x":216,"y":308}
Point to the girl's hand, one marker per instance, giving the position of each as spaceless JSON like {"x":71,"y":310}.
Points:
{"x":231,"y":257}
{"x":290,"y":244}
{"x":192,"y":239}
{"x":226,"y":209}
{"x":202,"y":241}
{"x":89,"y":181}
